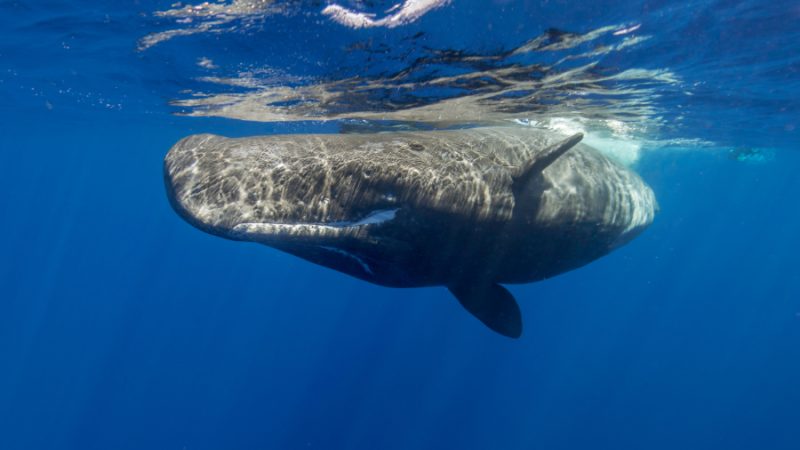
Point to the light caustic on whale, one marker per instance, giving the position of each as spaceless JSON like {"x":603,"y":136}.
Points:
{"x":467,"y":209}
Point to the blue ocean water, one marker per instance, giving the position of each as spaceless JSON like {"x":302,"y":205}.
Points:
{"x":122,"y":327}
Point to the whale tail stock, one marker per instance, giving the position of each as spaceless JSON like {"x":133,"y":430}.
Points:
{"x":493,"y":305}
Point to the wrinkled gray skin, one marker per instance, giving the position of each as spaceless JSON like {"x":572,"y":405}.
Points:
{"x":466,"y":209}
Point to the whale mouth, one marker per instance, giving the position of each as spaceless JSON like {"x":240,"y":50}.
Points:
{"x":273,"y":231}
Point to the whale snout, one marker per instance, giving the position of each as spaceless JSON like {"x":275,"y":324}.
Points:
{"x":199,"y":187}
{"x":217,"y":184}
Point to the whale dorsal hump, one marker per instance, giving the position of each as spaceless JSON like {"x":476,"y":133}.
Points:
{"x":493,"y":305}
{"x":541,"y":160}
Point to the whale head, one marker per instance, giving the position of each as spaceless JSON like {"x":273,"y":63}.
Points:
{"x":232,"y":188}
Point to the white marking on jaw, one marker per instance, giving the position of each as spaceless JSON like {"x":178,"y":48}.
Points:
{"x":375,"y":217}
{"x":363,"y":264}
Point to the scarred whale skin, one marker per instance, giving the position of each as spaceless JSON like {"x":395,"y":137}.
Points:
{"x":466,"y":209}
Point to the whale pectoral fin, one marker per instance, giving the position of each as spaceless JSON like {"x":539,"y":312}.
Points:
{"x":493,"y":305}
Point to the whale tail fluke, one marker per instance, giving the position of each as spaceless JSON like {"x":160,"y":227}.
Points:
{"x":493,"y":305}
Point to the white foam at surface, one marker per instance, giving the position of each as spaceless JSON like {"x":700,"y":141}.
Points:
{"x":408,"y":12}
{"x":624,"y":151}
{"x":611,"y":137}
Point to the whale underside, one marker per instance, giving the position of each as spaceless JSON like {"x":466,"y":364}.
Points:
{"x":466,"y":209}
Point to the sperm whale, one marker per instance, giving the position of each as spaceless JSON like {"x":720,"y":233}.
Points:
{"x":468,"y":209}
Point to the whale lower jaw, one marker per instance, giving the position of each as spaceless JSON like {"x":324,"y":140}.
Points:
{"x":269,"y":232}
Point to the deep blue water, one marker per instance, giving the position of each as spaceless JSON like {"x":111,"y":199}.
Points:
{"x":122,"y":327}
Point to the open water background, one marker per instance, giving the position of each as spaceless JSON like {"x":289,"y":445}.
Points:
{"x":121,"y":327}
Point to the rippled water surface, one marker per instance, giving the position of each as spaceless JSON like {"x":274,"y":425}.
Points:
{"x":666,"y":70}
